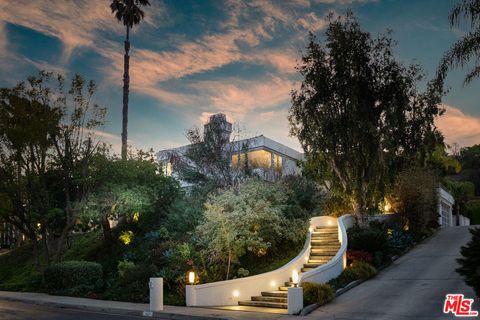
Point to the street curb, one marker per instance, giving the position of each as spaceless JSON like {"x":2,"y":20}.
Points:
{"x":117,"y":311}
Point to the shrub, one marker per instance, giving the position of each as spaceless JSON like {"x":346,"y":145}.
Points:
{"x":362,"y":270}
{"x":414,"y":198}
{"x":472,"y":211}
{"x":372,"y":239}
{"x":470,"y":261}
{"x":73,"y":277}
{"x":359,"y":255}
{"x":399,"y":240}
{"x":358,"y":270}
{"x":124,"y":266}
{"x":317,"y":293}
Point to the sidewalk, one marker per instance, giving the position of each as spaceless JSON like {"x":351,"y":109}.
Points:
{"x":135,"y":309}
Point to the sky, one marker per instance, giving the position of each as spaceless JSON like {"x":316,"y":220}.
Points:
{"x":190,"y":59}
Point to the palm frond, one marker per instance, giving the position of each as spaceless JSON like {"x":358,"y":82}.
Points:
{"x":468,"y":9}
{"x":460,"y":54}
{"x":475,"y":73}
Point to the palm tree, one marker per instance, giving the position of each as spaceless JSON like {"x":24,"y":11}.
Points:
{"x":467,"y":48}
{"x":128,"y":12}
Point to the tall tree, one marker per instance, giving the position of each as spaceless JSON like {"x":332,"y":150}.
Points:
{"x":466,"y":49}
{"x":128,"y":12}
{"x":359,"y":110}
{"x":47,"y":142}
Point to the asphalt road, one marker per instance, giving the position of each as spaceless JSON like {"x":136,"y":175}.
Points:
{"x":414,"y":287}
{"x":22,"y":311}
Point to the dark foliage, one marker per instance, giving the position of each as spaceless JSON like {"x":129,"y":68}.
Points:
{"x":73,"y":277}
{"x":470,"y":261}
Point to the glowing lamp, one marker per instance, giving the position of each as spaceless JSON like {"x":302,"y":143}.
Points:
{"x":295,"y":278}
{"x":310,"y":229}
{"x":191,"y":277}
{"x":236,"y":293}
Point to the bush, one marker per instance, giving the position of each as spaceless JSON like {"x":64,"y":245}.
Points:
{"x":73,"y":277}
{"x":414,"y":198}
{"x":372,"y":239}
{"x":472,"y":211}
{"x":356,"y":271}
{"x":399,"y":240}
{"x":470,"y":261}
{"x":362,"y":270}
{"x":359,"y":255}
{"x":317,"y":293}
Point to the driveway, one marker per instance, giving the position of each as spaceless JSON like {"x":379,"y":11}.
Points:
{"x":413,"y":287}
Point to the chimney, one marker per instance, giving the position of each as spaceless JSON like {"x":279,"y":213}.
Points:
{"x":219,"y":122}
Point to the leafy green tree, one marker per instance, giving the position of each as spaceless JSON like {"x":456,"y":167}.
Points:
{"x":251,"y":218}
{"x":129,"y":191}
{"x":206,"y":163}
{"x":130,"y":13}
{"x":47,"y":142}
{"x":469,"y":158}
{"x":359,"y":112}
{"x":470,"y":261}
{"x":466,"y":49}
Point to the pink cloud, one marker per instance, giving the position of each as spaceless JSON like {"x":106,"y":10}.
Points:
{"x":312,"y":22}
{"x":241,"y":97}
{"x":459,"y":127}
{"x":75,"y":23}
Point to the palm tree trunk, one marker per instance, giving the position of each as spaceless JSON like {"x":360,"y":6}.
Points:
{"x":126,"y":85}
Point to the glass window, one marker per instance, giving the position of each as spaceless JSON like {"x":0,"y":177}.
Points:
{"x":168,"y":169}
{"x":260,"y":159}
{"x":278,"y":164}
{"x":236,"y":161}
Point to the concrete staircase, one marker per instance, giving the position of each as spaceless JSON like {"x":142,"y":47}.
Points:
{"x":324,"y":245}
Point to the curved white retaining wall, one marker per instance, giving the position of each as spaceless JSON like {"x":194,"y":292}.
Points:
{"x":229,"y":292}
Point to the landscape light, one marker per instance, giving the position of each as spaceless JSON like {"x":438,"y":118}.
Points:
{"x":295,"y":278}
{"x":191,"y":277}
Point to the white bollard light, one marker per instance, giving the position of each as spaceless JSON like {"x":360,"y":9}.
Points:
{"x":156,"y":294}
{"x":295,"y":300}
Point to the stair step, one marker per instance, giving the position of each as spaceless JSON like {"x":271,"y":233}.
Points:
{"x":283,"y":288}
{"x":318,"y":261}
{"x":269,"y":299}
{"x":275,"y":294}
{"x":327,"y":228}
{"x":326,"y":244}
{"x":322,"y":252}
{"x":314,"y":265}
{"x":306,"y":269}
{"x":279,"y":305}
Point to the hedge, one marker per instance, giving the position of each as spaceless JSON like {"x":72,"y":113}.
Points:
{"x":73,"y":277}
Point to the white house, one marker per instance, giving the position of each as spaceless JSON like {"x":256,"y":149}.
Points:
{"x":267,"y":158}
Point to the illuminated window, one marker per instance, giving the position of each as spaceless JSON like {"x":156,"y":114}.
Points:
{"x":260,"y":159}
{"x":236,"y":162}
{"x":277,"y":164}
{"x":168,"y":169}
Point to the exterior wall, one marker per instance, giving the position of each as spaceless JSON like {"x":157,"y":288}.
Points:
{"x":224,"y":293}
{"x":445,"y":208}
{"x":463,"y":221}
{"x":289,"y":156}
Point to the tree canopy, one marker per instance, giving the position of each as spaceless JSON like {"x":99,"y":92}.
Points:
{"x":359,"y":110}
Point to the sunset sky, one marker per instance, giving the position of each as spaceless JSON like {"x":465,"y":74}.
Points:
{"x":194,"y":58}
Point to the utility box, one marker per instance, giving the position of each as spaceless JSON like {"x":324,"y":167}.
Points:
{"x":156,"y":294}
{"x":295,"y":300}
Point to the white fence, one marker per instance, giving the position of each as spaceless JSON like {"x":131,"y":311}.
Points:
{"x":229,"y":292}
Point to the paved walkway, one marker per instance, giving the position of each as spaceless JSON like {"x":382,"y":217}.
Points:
{"x":414,"y":287}
{"x":133,"y":309}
